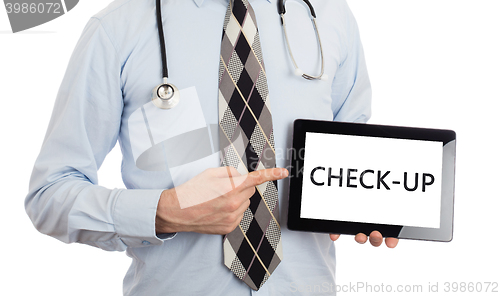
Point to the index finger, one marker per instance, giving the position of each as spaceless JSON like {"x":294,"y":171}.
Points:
{"x":261,"y":176}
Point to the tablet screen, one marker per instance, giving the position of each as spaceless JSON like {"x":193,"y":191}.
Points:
{"x":372,"y":180}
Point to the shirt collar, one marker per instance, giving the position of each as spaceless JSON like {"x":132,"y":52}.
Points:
{"x":200,"y":2}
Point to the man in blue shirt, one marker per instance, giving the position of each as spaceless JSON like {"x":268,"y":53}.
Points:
{"x":105,"y":97}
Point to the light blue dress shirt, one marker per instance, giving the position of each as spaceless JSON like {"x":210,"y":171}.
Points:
{"x":105,"y":97}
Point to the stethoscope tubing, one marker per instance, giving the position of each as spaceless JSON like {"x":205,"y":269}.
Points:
{"x":161,"y":35}
{"x":304,"y":75}
{"x":166,"y":95}
{"x":282,"y":11}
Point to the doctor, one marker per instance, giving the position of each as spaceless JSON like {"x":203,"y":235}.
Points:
{"x":105,"y":97}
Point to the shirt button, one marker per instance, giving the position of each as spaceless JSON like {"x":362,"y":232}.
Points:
{"x":145,"y":242}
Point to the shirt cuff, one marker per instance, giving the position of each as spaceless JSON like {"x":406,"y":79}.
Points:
{"x":134,"y":217}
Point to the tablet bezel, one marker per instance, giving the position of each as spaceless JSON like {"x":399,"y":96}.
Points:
{"x":448,"y":137}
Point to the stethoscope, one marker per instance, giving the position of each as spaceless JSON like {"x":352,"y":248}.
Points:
{"x":298,"y":71}
{"x":166,"y":95}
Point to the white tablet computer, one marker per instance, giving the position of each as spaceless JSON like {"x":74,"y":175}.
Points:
{"x":350,"y":178}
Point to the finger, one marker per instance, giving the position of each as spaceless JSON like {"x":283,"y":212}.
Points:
{"x":391,"y":242}
{"x":240,"y":213}
{"x":240,"y":197}
{"x":247,"y":193}
{"x":230,"y":171}
{"x":261,"y":176}
{"x":243,"y":207}
{"x":361,"y":238}
{"x":334,"y":237}
{"x":376,"y":238}
{"x":225,"y":172}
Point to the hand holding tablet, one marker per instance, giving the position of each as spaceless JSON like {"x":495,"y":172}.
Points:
{"x":356,"y":178}
{"x":375,"y":238}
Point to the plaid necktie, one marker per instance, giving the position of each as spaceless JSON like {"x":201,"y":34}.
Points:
{"x":253,"y":250}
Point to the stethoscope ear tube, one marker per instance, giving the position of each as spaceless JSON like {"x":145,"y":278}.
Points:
{"x":311,"y":8}
{"x":281,"y":7}
{"x":282,"y":10}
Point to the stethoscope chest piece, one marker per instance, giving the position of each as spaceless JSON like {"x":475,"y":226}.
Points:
{"x":165,"y":96}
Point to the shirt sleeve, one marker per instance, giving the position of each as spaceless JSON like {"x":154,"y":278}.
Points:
{"x":64,"y":199}
{"x":351,"y":89}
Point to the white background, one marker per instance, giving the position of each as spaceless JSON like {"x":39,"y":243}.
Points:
{"x":433,"y":63}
